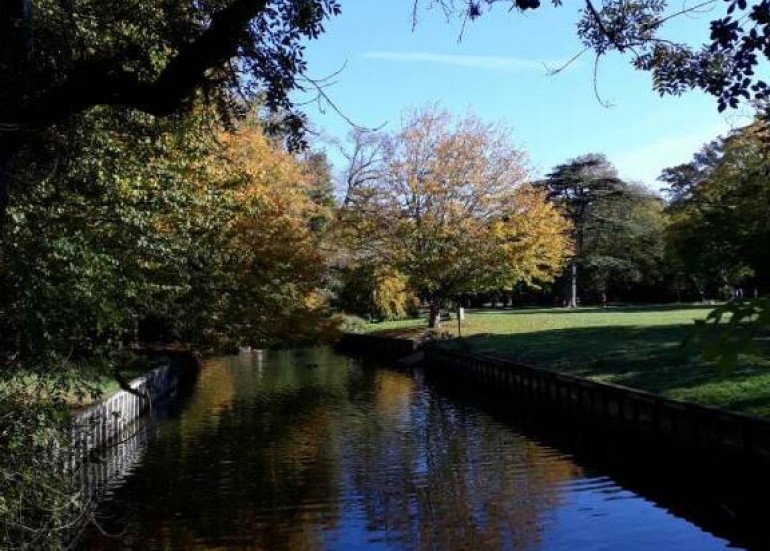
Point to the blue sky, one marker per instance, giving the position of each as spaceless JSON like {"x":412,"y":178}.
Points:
{"x":497,"y":72}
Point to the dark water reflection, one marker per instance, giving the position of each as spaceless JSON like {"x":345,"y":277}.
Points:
{"x":310,"y":450}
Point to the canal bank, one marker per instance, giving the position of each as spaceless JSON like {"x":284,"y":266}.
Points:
{"x":660,"y":421}
{"x":105,"y":423}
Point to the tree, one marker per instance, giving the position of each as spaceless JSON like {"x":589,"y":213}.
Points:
{"x":275,"y":263}
{"x":576,"y":187}
{"x":719,"y":229}
{"x":624,"y":241}
{"x":364,"y":161}
{"x":376,"y":292}
{"x":684,"y":178}
{"x":59,"y":59}
{"x":449,"y":209}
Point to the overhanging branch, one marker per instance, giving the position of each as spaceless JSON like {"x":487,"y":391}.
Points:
{"x":104,"y":83}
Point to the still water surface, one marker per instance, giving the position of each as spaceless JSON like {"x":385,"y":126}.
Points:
{"x":307,"y":449}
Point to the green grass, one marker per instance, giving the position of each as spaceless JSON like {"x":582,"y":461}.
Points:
{"x":108,"y":385}
{"x":104,"y":385}
{"x":635,"y":347}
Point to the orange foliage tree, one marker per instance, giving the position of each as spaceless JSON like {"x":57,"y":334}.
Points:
{"x":275,"y":259}
{"x":450,"y":208}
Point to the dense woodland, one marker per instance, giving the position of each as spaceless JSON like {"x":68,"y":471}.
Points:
{"x":155,"y":184}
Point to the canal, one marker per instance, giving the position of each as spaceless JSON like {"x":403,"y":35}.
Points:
{"x":307,"y":449}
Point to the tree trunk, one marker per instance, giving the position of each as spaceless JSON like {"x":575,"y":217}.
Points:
{"x":573,"y":285}
{"x":5,"y":185}
{"x":434,"y":318}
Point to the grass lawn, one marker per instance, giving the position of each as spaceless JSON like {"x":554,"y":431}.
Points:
{"x":108,"y":385}
{"x":639,"y":347}
{"x":105,"y":384}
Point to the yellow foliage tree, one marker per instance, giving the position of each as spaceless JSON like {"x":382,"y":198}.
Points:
{"x":276,"y":259}
{"x":450,"y":209}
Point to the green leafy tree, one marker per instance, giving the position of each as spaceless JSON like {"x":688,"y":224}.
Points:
{"x":719,"y":234}
{"x":60,"y":59}
{"x":577,"y":187}
{"x":718,"y":228}
{"x":624,"y":241}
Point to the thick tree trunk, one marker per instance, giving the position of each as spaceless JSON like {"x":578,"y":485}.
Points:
{"x":573,"y":285}
{"x":434,"y":317}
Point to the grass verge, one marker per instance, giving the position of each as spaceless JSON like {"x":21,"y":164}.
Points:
{"x":638,"y":347}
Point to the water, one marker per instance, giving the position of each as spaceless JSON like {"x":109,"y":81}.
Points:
{"x":310,"y":450}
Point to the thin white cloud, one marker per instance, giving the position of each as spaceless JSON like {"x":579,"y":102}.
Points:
{"x":489,"y":63}
{"x":645,"y":163}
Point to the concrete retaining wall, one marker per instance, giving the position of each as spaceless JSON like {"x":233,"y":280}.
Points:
{"x":106,"y":423}
{"x":632,"y":411}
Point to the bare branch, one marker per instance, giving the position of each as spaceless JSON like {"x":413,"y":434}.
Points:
{"x":560,"y":68}
{"x":601,"y":101}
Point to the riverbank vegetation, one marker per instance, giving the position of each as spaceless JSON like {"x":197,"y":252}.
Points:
{"x":130,"y":228}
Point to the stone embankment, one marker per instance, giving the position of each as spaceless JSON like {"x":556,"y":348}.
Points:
{"x":720,"y":433}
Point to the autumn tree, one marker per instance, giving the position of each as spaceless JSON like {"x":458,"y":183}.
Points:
{"x":451,"y":210}
{"x":275,"y":262}
{"x":375,"y":291}
{"x":60,"y":59}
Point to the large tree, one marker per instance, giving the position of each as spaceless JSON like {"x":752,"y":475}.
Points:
{"x":61,"y":58}
{"x":624,"y":242}
{"x":576,"y":188}
{"x":719,"y":227}
{"x":450,"y":209}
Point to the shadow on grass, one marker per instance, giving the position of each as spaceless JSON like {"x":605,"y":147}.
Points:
{"x":612,"y":308}
{"x":643,"y":357}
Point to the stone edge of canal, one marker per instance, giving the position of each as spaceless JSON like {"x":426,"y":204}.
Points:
{"x":100,"y":425}
{"x":721,"y":434}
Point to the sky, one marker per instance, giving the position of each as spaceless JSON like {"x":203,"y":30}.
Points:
{"x":498,"y":71}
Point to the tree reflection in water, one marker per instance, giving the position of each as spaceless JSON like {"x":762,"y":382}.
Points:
{"x":446,"y":477}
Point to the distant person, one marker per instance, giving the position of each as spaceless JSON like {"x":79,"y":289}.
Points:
{"x":604,"y":300}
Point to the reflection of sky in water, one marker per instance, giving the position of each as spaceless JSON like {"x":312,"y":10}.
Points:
{"x":308,"y":450}
{"x":599,"y":516}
